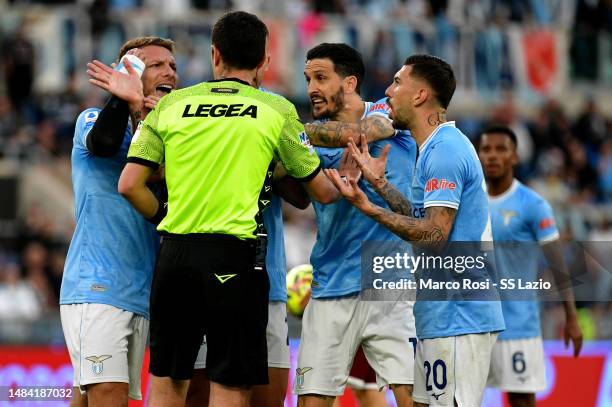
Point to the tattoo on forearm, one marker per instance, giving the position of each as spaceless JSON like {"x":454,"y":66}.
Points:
{"x":395,"y":199}
{"x":434,"y":228}
{"x":337,"y":134}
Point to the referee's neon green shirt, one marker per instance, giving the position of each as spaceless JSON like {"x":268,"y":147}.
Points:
{"x":217,"y":140}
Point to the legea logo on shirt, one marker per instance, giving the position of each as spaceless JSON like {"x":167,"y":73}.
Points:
{"x":435,"y":184}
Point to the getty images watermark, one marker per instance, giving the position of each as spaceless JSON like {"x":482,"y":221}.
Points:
{"x":457,"y":263}
{"x":482,"y":271}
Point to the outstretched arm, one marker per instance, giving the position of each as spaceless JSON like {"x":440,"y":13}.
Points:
{"x":338,"y":134}
{"x":435,"y":227}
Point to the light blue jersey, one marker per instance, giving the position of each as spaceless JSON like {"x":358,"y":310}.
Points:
{"x":449,"y":174}
{"x":275,"y":255}
{"x":520,"y":215}
{"x":336,"y":255}
{"x":112,"y":253}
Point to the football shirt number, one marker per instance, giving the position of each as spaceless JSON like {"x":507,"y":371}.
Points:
{"x":436,"y":374}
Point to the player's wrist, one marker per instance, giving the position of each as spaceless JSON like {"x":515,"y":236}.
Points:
{"x":379,"y":183}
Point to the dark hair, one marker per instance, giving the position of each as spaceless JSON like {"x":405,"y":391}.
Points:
{"x":498,"y":129}
{"x":347,"y":60}
{"x":241,"y":38}
{"x":437,"y":73}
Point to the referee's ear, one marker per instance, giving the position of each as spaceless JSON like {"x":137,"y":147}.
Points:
{"x":215,"y":57}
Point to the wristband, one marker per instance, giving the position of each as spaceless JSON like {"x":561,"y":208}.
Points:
{"x":162,"y":211}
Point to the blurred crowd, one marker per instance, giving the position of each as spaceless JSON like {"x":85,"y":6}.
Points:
{"x":566,"y":157}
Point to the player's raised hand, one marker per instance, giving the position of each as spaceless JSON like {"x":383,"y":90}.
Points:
{"x":127,"y":87}
{"x":348,"y":188}
{"x":373,"y":168}
{"x":348,"y":166}
{"x":150,"y":102}
{"x":572,"y":332}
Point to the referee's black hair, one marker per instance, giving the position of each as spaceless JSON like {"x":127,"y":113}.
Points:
{"x":499,"y":129}
{"x":241,"y":38}
{"x":347,"y":60}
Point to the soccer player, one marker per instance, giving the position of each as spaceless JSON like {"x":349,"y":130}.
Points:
{"x":455,"y":337}
{"x":518,"y":214}
{"x":218,"y":140}
{"x":336,"y":322}
{"x":104,"y":299}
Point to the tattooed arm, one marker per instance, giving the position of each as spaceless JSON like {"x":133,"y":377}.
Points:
{"x":337,"y":134}
{"x":435,"y":227}
{"x":395,"y":199}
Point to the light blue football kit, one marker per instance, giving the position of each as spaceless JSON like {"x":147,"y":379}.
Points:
{"x":521,"y":215}
{"x":336,"y":321}
{"x":449,"y":174}
{"x":112,"y":253}
{"x":275,"y":255}
{"x":341,"y":228}
{"x":456,"y":336}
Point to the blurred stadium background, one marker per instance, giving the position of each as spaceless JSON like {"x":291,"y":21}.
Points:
{"x":543,"y":67}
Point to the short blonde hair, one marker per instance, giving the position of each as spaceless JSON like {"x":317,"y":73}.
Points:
{"x":140,"y":42}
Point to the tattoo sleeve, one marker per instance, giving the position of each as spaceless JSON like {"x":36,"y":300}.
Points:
{"x":435,"y":227}
{"x":337,"y":134}
{"x":395,"y":199}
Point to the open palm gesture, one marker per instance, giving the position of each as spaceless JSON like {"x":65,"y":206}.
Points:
{"x":373,"y":168}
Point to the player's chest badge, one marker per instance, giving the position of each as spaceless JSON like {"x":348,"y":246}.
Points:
{"x":507,"y":216}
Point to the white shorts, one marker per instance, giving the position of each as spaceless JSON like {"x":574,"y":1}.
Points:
{"x":106,"y":344}
{"x":332,"y":329}
{"x":452,"y":369}
{"x":277,"y":335}
{"x":517,"y":366}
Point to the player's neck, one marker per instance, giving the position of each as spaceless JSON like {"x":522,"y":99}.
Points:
{"x":426,"y":124}
{"x":499,"y":186}
{"x":248,"y":76}
{"x":352,"y":111}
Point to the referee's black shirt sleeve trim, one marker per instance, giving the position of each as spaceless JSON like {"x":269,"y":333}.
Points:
{"x":142,"y":161}
{"x":311,"y":176}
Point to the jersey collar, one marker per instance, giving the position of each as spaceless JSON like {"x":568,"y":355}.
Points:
{"x":506,"y":194}
{"x":433,"y":133}
{"x":230,"y":80}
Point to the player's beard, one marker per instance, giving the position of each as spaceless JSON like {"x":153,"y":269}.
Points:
{"x":337,"y":100}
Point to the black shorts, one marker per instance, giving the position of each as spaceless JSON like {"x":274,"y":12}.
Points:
{"x":207,"y":285}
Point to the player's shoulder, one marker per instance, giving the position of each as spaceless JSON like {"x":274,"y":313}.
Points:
{"x":528,"y":195}
{"x":277,"y":102}
{"x":380,"y":108}
{"x":89,"y":115}
{"x":446,"y":139}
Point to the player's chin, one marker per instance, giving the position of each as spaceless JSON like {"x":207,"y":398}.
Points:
{"x":397,"y":124}
{"x":318,"y":111}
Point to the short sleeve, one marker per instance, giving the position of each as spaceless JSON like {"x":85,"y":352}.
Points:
{"x":147,"y":147}
{"x":84,"y":124}
{"x":542,"y":222}
{"x":444,"y":177}
{"x":295,"y":151}
{"x":380,"y":108}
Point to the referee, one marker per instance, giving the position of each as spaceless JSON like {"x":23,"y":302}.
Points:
{"x":218,"y":140}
